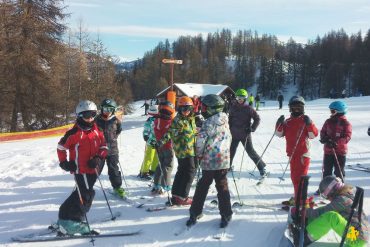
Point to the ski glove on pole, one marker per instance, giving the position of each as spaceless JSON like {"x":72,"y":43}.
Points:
{"x":68,"y":166}
{"x":280,"y":120}
{"x":95,"y":162}
{"x":307,"y":120}
{"x":249,"y":130}
{"x":146,"y":138}
{"x":329,"y":142}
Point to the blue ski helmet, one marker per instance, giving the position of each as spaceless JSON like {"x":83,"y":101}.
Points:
{"x":339,"y":106}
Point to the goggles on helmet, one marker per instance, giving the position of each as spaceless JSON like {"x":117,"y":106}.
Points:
{"x":333,"y":112}
{"x":108,"y":109}
{"x":87,"y":114}
{"x":186,"y":108}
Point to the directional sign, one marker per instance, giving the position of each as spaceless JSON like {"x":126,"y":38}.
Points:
{"x":165,"y":60}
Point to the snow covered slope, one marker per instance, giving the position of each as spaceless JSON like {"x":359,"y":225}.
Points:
{"x":32,"y":186}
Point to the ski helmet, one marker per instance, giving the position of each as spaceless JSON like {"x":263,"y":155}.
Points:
{"x":295,"y":100}
{"x":85,"y":105}
{"x":339,"y":106}
{"x":329,"y":186}
{"x":211,"y":105}
{"x":108,"y":105}
{"x":185,"y":100}
{"x":242,"y":93}
{"x":153,"y":110}
{"x":166,"y":109}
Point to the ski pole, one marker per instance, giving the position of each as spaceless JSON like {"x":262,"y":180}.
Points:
{"x":241,"y":163}
{"x":337,"y":163}
{"x":268,"y":144}
{"x":291,"y":156}
{"x":237,"y":191}
{"x":105,"y":196}
{"x":359,"y":194}
{"x":123,"y":176}
{"x":303,"y":211}
{"x":83,"y":208}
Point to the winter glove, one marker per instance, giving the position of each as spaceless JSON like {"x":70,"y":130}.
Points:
{"x":368,"y":131}
{"x":248,"y":130}
{"x":280,"y":120}
{"x":310,"y":203}
{"x":95,"y":162}
{"x":307,"y":120}
{"x":146,"y":138}
{"x":324,"y":139}
{"x":68,"y":166}
{"x":154,"y":143}
{"x":331,"y":143}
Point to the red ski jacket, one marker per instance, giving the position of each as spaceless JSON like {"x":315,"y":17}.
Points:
{"x":82,"y":145}
{"x":161,"y":127}
{"x":291,"y":129}
{"x":339,"y":130}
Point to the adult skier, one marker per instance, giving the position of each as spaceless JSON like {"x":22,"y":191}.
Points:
{"x":112,"y":127}
{"x":297,"y":130}
{"x":213,"y":152}
{"x":240,"y":117}
{"x":87,"y":149}
{"x":335,"y":135}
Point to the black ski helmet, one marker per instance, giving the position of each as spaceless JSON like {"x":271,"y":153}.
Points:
{"x":296,"y":106}
{"x":108,"y":103}
{"x":213,"y":105}
{"x":329,"y":186}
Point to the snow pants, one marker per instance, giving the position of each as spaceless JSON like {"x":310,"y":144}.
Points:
{"x":184,"y":177}
{"x":71,"y":209}
{"x":162,"y":175}
{"x":248,"y":146}
{"x":330,"y":162}
{"x":150,"y":160}
{"x":298,"y":167}
{"x":319,"y":227}
{"x":201,"y":191}
{"x":113,"y":171}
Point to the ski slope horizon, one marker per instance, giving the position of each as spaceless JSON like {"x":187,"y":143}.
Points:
{"x":32,"y":187}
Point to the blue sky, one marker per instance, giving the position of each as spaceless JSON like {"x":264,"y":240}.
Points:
{"x":129,"y":28}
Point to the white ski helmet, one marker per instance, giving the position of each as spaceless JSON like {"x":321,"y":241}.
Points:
{"x":85,"y":105}
{"x":153,"y":110}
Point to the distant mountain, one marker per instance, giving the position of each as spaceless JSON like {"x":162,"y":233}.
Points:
{"x":125,"y":66}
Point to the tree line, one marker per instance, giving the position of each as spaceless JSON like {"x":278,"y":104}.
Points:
{"x":46,"y":68}
{"x":337,"y":61}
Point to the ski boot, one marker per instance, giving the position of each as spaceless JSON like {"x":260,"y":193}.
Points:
{"x":120,"y":192}
{"x":179,"y":201}
{"x":193,"y":220}
{"x":225,"y":221}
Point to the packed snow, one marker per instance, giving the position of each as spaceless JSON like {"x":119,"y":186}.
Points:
{"x":32,"y":187}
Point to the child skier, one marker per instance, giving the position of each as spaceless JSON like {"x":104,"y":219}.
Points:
{"x":87,"y":150}
{"x":162,"y":175}
{"x":213,"y":151}
{"x":150,"y":161}
{"x":334,"y":216}
{"x":111,"y":126}
{"x":297,"y":130}
{"x":335,"y":134}
{"x":182,"y":132}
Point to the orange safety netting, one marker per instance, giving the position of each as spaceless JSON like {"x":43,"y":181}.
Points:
{"x":59,"y":131}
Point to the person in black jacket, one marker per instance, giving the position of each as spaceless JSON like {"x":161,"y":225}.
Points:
{"x":280,"y":98}
{"x":111,"y":126}
{"x":240,"y":116}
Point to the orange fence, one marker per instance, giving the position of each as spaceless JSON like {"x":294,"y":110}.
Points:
{"x":59,"y":131}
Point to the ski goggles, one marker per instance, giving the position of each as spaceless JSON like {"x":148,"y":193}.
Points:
{"x":333,"y":112}
{"x":186,"y":108}
{"x":108,"y":109}
{"x":296,"y":108}
{"x":87,"y":114}
{"x":238,"y":98}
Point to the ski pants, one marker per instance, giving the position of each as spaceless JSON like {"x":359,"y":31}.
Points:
{"x":113,"y":171}
{"x":248,"y":146}
{"x":71,"y":209}
{"x":163,"y":171}
{"x":319,"y":227}
{"x":330,"y":162}
{"x":150,"y":160}
{"x":201,"y":191}
{"x":298,"y":167}
{"x":184,"y":177}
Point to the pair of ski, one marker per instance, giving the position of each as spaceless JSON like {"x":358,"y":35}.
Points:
{"x":52,"y":233}
{"x":261,"y":179}
{"x":359,"y":167}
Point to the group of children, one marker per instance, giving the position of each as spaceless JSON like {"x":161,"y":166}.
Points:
{"x":167,"y":134}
